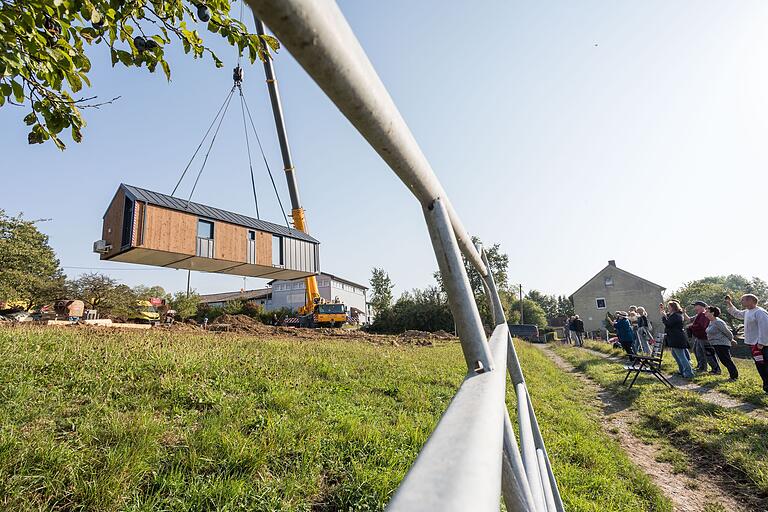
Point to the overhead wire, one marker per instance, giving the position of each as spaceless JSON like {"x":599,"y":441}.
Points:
{"x":210,"y":146}
{"x":248,"y":149}
{"x":220,"y":117}
{"x":201,"y":144}
{"x":266,"y":164}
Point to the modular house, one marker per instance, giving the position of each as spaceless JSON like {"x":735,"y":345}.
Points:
{"x":150,"y":228}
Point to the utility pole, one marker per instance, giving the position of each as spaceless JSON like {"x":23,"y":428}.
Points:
{"x":522,"y":318}
{"x":189,"y":273}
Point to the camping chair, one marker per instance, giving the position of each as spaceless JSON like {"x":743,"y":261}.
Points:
{"x":647,"y":364}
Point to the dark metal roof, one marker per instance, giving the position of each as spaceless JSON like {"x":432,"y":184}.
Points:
{"x":181,"y":205}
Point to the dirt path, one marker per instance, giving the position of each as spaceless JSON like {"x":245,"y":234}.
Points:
{"x":696,"y":493}
{"x":705,"y":393}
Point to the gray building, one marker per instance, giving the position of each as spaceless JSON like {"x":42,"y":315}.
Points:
{"x":613,"y":289}
{"x":291,"y":294}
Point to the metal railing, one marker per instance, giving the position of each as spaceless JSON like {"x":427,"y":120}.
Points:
{"x":473,"y":456}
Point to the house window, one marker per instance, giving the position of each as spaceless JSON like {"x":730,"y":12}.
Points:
{"x":250,"y":250}
{"x":204,"y":238}
{"x":205,"y":229}
{"x":127,"y":233}
{"x":600,"y":303}
{"x":277,"y":251}
{"x":608,"y":281}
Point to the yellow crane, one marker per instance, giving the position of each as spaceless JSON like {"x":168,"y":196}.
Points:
{"x":316,"y":311}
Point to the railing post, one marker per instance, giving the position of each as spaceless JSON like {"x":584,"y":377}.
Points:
{"x":460,"y":297}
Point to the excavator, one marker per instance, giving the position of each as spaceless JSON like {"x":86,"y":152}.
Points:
{"x":316,"y":311}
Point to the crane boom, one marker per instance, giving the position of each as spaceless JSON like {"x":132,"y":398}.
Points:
{"x":297,"y":211}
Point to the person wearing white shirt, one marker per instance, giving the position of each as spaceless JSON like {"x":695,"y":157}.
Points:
{"x":755,"y":331}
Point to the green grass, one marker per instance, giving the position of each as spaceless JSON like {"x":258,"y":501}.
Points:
{"x":592,"y":470}
{"x":726,"y":439}
{"x":748,"y":388}
{"x":98,"y":420}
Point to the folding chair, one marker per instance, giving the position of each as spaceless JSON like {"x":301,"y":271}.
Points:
{"x":647,"y":364}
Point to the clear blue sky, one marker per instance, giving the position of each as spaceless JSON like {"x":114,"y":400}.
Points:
{"x":569,"y":132}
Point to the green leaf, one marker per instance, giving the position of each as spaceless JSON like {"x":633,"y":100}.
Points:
{"x":166,"y":69}
{"x":30,"y":119}
{"x":18,"y":91}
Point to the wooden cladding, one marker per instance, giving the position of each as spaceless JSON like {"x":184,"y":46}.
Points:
{"x":231,"y":242}
{"x":170,"y":231}
{"x":263,"y":248}
{"x":113,"y":223}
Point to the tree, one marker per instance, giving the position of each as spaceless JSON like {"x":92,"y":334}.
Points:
{"x":29,"y":271}
{"x":143,"y":292}
{"x":44,"y":63}
{"x":103,"y":293}
{"x":185,"y":305}
{"x":532,"y":313}
{"x":497,"y":263}
{"x":564,"y":307}
{"x":381,"y":290}
{"x":548,"y":303}
{"x":422,"y":310}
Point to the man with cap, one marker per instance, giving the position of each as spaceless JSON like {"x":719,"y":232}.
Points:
{"x":703,"y":350}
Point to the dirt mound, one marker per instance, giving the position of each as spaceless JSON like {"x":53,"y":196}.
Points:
{"x":239,"y":323}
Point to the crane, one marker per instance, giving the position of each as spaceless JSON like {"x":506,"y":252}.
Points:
{"x":315,"y":311}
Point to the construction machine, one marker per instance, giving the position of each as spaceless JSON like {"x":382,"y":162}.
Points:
{"x":316,"y":311}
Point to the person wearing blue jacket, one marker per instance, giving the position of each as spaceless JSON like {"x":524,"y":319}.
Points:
{"x":624,"y":332}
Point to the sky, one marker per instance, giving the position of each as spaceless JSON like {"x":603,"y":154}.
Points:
{"x":570,"y":133}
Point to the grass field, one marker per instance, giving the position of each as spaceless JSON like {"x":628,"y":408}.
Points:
{"x":92,"y":420}
{"x":749,"y":387}
{"x":704,"y":433}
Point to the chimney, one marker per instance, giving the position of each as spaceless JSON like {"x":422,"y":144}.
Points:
{"x":612,"y":263}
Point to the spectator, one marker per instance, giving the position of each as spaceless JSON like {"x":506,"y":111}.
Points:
{"x":624,"y":332}
{"x":632,"y":317}
{"x":578,"y":331}
{"x":701,"y":347}
{"x":644,"y":333}
{"x":755,"y":331}
{"x":567,"y":330}
{"x":675,"y":337}
{"x":721,"y":337}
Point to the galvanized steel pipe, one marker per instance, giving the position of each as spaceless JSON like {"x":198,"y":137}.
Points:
{"x":459,"y":468}
{"x":320,"y":39}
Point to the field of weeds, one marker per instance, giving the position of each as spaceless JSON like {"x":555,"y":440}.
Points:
{"x":106,"y":420}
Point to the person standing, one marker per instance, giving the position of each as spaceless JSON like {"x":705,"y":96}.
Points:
{"x":632,"y":317}
{"x":703,"y":350}
{"x":675,"y":337}
{"x":567,"y":330}
{"x":721,"y":338}
{"x":644,"y":330}
{"x":624,"y":332}
{"x":755,"y":331}
{"x":578,"y":331}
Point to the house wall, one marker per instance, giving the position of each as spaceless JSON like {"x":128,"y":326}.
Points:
{"x":291,"y":294}
{"x":113,"y":224}
{"x":230,"y":242}
{"x":627,"y":290}
{"x":169,"y":230}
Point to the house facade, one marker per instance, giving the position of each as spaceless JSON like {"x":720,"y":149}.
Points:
{"x":614,"y":289}
{"x":291,"y":294}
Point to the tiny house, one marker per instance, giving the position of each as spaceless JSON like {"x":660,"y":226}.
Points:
{"x":150,"y":228}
